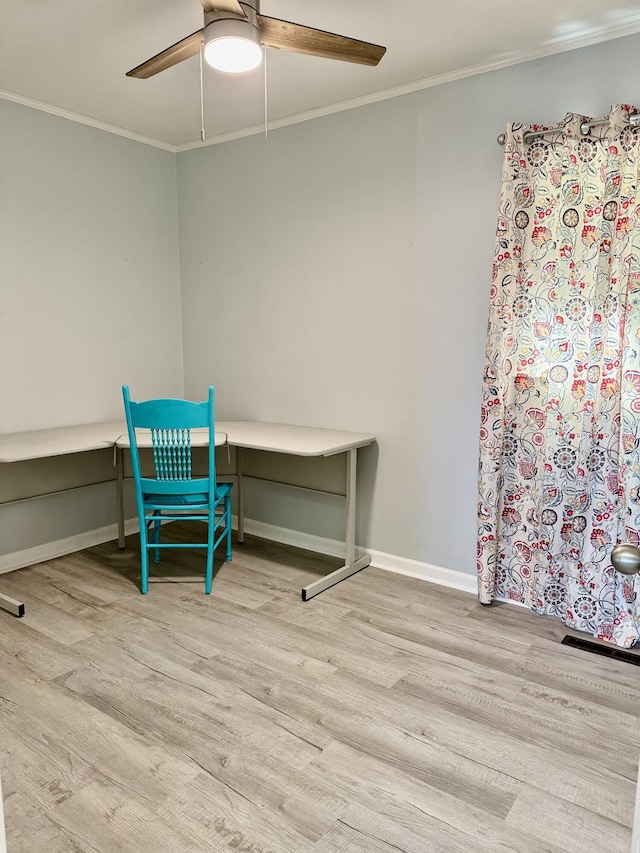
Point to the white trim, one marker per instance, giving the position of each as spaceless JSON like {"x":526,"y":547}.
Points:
{"x":451,"y":578}
{"x":81,"y":119}
{"x":511,"y":601}
{"x":595,"y":37}
{"x":440,"y":575}
{"x":331,"y":547}
{"x":61,"y":547}
{"x":286,"y":536}
{"x":379,"y":559}
{"x":429,"y":82}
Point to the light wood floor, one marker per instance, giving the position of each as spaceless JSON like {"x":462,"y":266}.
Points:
{"x":385,"y":715}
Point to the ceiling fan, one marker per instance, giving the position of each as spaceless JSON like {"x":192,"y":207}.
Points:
{"x":234,"y":33}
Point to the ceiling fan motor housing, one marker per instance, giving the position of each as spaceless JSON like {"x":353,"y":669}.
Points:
{"x":221,"y":24}
{"x":251,"y":11}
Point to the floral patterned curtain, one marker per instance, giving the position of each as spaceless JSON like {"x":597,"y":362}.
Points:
{"x":559,"y":474}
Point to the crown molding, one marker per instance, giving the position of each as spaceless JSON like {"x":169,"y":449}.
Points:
{"x":596,"y":37}
{"x":86,"y":120}
{"x":558,"y":46}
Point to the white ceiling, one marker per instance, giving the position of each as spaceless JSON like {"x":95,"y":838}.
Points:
{"x":71,"y":56}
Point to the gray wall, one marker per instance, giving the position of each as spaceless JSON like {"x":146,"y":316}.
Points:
{"x":89,"y":292}
{"x":337,"y":274}
{"x":89,"y":274}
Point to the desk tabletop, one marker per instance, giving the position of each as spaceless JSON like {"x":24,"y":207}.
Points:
{"x":255,"y":435}
{"x":296,"y":440}
{"x":41,"y":443}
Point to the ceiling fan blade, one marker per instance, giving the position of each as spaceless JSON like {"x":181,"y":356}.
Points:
{"x":300,"y":39}
{"x":223,"y":6}
{"x":189,"y":46}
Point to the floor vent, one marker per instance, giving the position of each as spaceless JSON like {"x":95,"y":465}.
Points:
{"x":600,"y":649}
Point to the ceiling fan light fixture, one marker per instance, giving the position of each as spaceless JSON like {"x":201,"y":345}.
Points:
{"x":232,"y":46}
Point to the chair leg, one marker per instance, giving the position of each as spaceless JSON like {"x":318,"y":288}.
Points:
{"x":227,"y":522}
{"x":210,"y":540}
{"x":156,"y":535}
{"x":144,"y":556}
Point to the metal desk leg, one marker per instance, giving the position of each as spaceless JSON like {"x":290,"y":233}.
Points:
{"x":120,"y":495}
{"x":240,"y":495}
{"x":351,"y":565}
{"x":11,"y":605}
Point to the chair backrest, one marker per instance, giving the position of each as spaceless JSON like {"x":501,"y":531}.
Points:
{"x":170,"y":422}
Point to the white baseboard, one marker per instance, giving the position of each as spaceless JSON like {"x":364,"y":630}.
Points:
{"x":381,"y":560}
{"x":60,"y":547}
{"x":331,"y":547}
{"x":425,"y":571}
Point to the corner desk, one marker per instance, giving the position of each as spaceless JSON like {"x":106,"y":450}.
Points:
{"x":321,"y":460}
{"x":46,"y":443}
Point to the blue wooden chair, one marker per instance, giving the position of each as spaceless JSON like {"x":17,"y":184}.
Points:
{"x":173,"y":494}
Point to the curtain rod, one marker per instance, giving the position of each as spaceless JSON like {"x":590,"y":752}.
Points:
{"x":585,"y":127}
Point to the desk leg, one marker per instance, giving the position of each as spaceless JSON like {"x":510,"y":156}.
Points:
{"x":240,"y":497}
{"x":11,"y":606}
{"x":351,"y":565}
{"x":120,"y":495}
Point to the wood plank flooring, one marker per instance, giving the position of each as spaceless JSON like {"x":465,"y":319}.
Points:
{"x":384,"y":715}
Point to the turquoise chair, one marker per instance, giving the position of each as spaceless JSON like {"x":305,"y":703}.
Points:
{"x":173,"y":495}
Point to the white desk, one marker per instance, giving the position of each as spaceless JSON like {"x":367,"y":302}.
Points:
{"x":291,"y":441}
{"x":241,"y":435}
{"x":44,"y":443}
{"x":305,"y":441}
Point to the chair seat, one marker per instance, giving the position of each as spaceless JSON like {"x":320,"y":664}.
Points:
{"x":223,"y":490}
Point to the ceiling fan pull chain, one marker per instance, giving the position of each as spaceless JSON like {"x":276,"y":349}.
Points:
{"x":202,"y":133}
{"x":266,"y":125}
